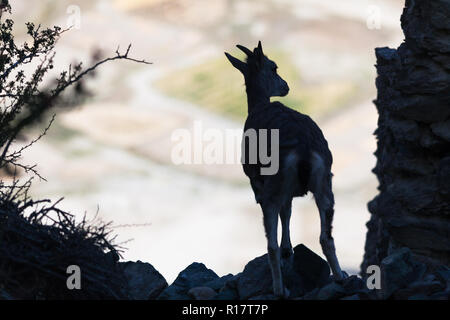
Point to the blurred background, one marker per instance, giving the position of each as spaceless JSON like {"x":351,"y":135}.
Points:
{"x":111,"y":156}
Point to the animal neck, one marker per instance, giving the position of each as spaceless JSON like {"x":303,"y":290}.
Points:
{"x":256,"y":99}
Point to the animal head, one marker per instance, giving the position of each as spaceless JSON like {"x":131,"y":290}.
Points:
{"x":260,"y":72}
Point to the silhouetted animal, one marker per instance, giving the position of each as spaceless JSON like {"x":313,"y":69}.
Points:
{"x":304,"y":161}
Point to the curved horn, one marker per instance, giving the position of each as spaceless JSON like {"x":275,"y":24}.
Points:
{"x":247,"y":51}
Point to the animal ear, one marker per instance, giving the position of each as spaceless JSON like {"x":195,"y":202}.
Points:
{"x":238,"y":64}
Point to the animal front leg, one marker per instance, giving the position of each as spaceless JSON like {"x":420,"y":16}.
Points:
{"x":285,"y":215}
{"x":273,"y":251}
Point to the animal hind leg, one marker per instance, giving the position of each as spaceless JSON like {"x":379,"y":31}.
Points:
{"x":273,"y":251}
{"x":285,"y":216}
{"x":325,"y":203}
{"x":320,"y":185}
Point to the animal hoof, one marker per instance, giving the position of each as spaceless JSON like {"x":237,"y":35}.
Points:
{"x":283,"y":294}
{"x":287,"y":293}
{"x":341,"y":277}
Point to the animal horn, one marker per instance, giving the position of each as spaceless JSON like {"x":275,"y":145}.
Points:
{"x":260,"y":47}
{"x":247,"y":51}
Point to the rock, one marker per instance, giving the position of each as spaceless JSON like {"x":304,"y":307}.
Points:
{"x":352,"y":297}
{"x":229,"y":291}
{"x":311,"y":295}
{"x":331,"y":291}
{"x":195,"y":275}
{"x":202,"y":293}
{"x":442,"y":129}
{"x":444,"y":178}
{"x":413,"y":166}
{"x":444,"y":295}
{"x":353,"y":284}
{"x":413,"y":137}
{"x":268,"y":296}
{"x":411,"y":107}
{"x":443,"y":275}
{"x":350,"y":288}
{"x":219,"y":283}
{"x":404,"y":130}
{"x":303,"y":272}
{"x":227,"y":294}
{"x":144,"y":281}
{"x":415,"y":193}
{"x":398,"y":270}
{"x":429,"y":141}
{"x":418,"y":289}
{"x":313,"y":270}
{"x":368,"y":295}
{"x":256,"y":279}
{"x":422,"y":234}
{"x":4,"y":295}
{"x":386,"y":55}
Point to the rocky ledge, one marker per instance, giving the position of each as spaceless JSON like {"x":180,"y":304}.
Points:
{"x":306,"y":275}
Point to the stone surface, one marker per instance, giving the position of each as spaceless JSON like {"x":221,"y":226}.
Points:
{"x":419,"y":289}
{"x":202,"y":293}
{"x":331,"y":291}
{"x":314,"y":270}
{"x":352,"y":297}
{"x":4,"y":295}
{"x":354,"y":284}
{"x":311,"y":295}
{"x":219,"y":283}
{"x":398,"y":270}
{"x":306,"y":276}
{"x":144,"y":281}
{"x":303,"y":272}
{"x":195,"y":275}
{"x":413,"y":165}
{"x":229,"y":291}
{"x":268,"y":296}
{"x":443,"y":295}
{"x":256,"y":279}
{"x":442,"y":129}
{"x":443,"y":274}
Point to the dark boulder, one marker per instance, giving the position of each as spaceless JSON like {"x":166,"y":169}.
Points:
{"x":256,"y":278}
{"x":229,"y":291}
{"x":419,"y":290}
{"x":144,"y":281}
{"x":331,"y":291}
{"x":195,"y":275}
{"x":313,"y":270}
{"x":398,"y":270}
{"x":202,"y":293}
{"x":442,"y":273}
{"x":218,"y":283}
{"x":302,"y":272}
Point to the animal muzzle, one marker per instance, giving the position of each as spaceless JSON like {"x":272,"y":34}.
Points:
{"x":285,"y":89}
